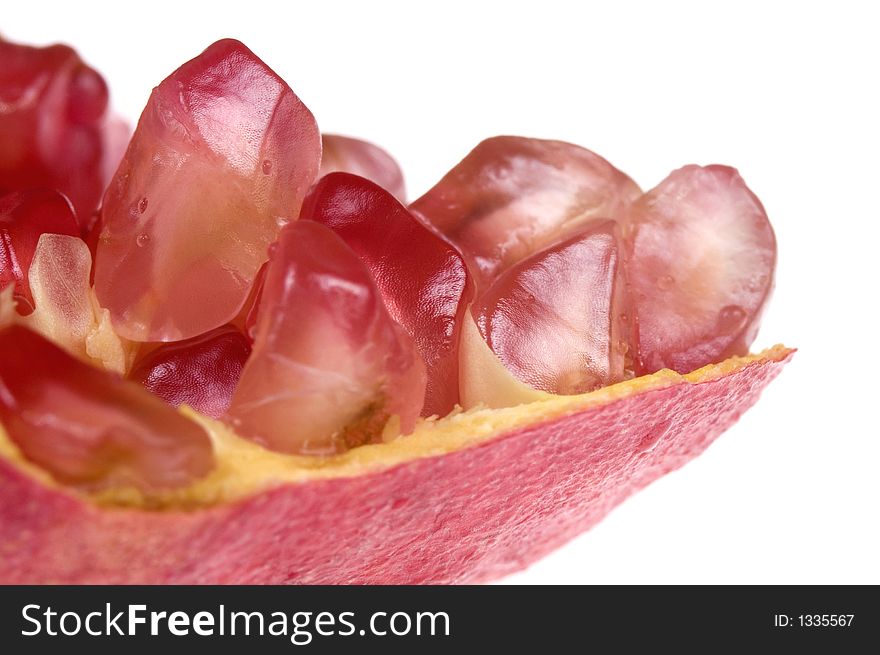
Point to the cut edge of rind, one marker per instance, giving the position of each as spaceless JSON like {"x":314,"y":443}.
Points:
{"x":245,"y":469}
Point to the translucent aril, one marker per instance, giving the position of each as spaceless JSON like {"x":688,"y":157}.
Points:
{"x":423,"y":279}
{"x":247,"y":319}
{"x":201,"y":372}
{"x":222,"y":155}
{"x":65,"y":308}
{"x":512,"y":196}
{"x":54,"y":130}
{"x":24,"y":217}
{"x":349,"y":155}
{"x":555,"y":319}
{"x":329,"y":367}
{"x":701,"y":257}
{"x":90,"y":428}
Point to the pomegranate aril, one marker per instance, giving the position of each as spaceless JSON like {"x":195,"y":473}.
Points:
{"x":512,"y":196}
{"x":554,"y":319}
{"x":117,"y":133}
{"x":200,"y":372}
{"x":222,"y":156}
{"x":349,"y":155}
{"x":53,"y":126}
{"x":60,"y":280}
{"x":24,"y":217}
{"x":423,"y":279}
{"x":88,"y":95}
{"x":247,"y":319}
{"x":66,"y":311}
{"x":701,"y":262}
{"x":91,"y":428}
{"x":329,"y":365}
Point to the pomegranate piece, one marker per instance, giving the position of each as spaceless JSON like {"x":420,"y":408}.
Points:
{"x":201,"y":372}
{"x":343,"y":153}
{"x":53,"y":129}
{"x":221,"y":158}
{"x":701,"y":262}
{"x":329,"y":365}
{"x":91,"y":428}
{"x":423,"y":280}
{"x":24,"y":216}
{"x":512,"y":196}
{"x":557,"y":319}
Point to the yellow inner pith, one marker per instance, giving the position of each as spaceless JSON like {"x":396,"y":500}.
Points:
{"x":244,"y":468}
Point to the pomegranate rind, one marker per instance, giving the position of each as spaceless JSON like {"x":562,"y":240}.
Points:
{"x":468,"y":498}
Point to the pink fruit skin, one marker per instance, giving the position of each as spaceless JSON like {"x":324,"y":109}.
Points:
{"x":468,"y":516}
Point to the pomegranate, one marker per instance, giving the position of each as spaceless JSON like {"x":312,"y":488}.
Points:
{"x":337,"y":387}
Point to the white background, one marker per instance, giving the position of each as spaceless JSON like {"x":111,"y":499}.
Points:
{"x":786,"y":92}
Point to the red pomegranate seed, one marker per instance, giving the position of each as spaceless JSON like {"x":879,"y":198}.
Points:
{"x":329,"y":364}
{"x":512,"y":196}
{"x":423,"y":279}
{"x":53,"y":127}
{"x":348,"y":155}
{"x":556,"y":319}
{"x":221,"y":158}
{"x":91,"y":428}
{"x":24,"y":216}
{"x":701,"y":261}
{"x":200,"y":372}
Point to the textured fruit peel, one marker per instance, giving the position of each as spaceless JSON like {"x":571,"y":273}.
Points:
{"x":463,"y":499}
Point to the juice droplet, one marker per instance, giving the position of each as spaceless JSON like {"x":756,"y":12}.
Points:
{"x":281,"y":221}
{"x":665,"y":282}
{"x":142,"y":240}
{"x":267,"y":167}
{"x":731,"y":319}
{"x":142,"y":205}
